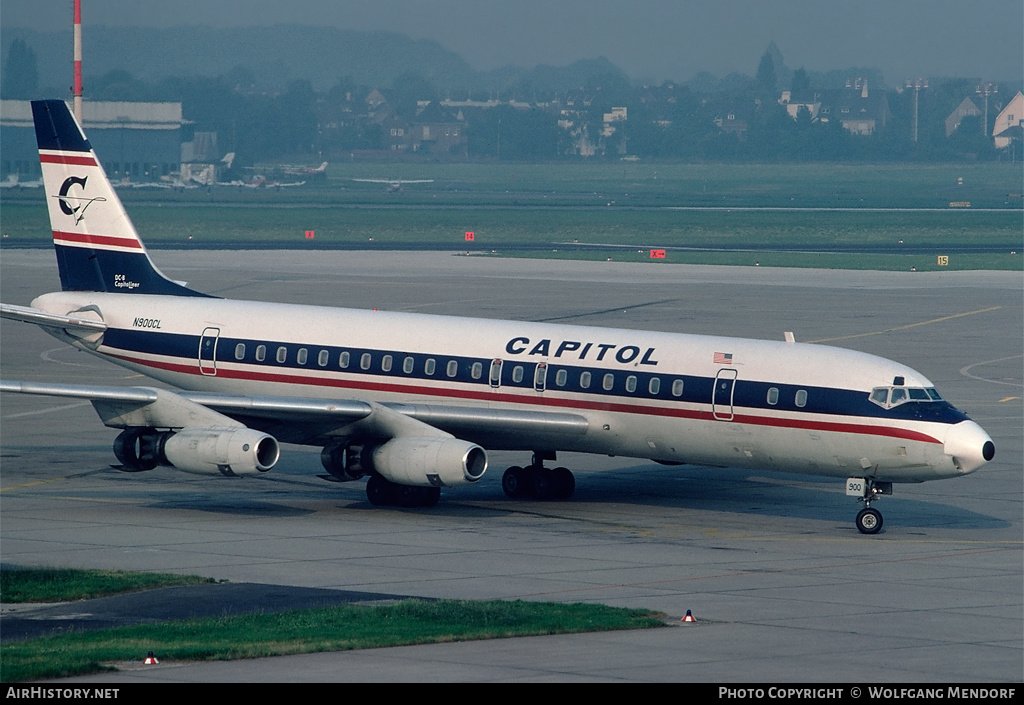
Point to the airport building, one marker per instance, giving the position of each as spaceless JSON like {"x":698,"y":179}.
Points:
{"x":139,"y":141}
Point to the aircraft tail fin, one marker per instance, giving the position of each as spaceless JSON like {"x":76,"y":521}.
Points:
{"x":97,"y":246}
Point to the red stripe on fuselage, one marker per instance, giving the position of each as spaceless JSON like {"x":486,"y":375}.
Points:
{"x":86,"y":160}
{"x":101,"y":240}
{"x":562,"y":403}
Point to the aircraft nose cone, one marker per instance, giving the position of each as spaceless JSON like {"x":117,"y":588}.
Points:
{"x":969,"y":446}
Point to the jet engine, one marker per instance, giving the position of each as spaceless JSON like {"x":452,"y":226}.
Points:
{"x":426,"y":461}
{"x":204,"y":451}
{"x":429,"y":461}
{"x":343,"y":461}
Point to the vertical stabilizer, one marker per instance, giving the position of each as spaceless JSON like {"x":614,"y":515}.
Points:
{"x":96,"y":243}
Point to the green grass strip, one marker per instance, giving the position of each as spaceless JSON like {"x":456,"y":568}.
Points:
{"x":308,"y":631}
{"x":63,"y":584}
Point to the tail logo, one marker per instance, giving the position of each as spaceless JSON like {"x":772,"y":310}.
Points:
{"x":78,"y":211}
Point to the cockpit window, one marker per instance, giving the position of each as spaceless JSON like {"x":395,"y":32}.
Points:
{"x":889,"y":397}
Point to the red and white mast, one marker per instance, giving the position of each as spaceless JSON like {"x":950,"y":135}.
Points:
{"x":78,"y":61}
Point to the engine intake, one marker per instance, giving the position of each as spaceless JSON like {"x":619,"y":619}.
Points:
{"x":343,"y":461}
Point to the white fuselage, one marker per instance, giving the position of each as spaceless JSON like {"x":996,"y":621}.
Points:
{"x":663,"y":396}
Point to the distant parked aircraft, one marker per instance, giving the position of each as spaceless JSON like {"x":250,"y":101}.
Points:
{"x":305,"y":170}
{"x":14,"y":181}
{"x":395,"y":184}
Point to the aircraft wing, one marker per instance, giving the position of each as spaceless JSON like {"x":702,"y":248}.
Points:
{"x":312,"y":421}
{"x":27,"y":314}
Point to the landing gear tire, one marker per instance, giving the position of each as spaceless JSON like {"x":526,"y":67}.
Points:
{"x":538,"y":483}
{"x":565,"y":483}
{"x":869,"y":521}
{"x":541,"y":484}
{"x":431,"y":496}
{"x":382,"y":492}
{"x":408,"y":496}
{"x":513,"y":482}
{"x":379,"y":490}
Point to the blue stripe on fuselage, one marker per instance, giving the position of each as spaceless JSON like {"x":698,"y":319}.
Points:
{"x":747,"y":394}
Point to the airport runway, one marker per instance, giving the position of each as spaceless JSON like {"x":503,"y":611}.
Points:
{"x":783,"y":586}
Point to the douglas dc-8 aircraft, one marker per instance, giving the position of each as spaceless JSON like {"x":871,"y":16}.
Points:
{"x":411,"y":401}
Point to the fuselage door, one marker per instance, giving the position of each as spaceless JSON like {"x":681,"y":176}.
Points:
{"x":540,"y":377}
{"x":721,"y":397}
{"x":208,"y":351}
{"x":495,"y":373}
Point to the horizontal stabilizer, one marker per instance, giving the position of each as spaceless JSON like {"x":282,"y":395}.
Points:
{"x":27,"y":314}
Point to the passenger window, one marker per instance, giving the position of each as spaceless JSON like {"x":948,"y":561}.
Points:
{"x":430,"y":367}
{"x":453,"y":368}
{"x":631,"y":384}
{"x":408,"y":364}
{"x":773,"y":396}
{"x":801,"y":398}
{"x":301,"y":356}
{"x":477,"y":370}
{"x":240,"y":351}
{"x":608,"y":382}
{"x":517,"y":374}
{"x":385,"y":364}
{"x":365,"y":361}
{"x":561,"y":377}
{"x":344,"y":359}
{"x":323,"y":358}
{"x":261,"y":353}
{"x":282,"y":354}
{"x":677,"y":388}
{"x":585,"y":380}
{"x":654,"y":386}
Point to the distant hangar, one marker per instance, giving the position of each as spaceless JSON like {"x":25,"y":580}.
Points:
{"x":140,"y":141}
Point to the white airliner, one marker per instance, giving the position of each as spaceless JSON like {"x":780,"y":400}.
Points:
{"x":395,"y":184}
{"x":411,"y":401}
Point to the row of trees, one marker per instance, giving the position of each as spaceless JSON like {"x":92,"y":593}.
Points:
{"x":669,"y":121}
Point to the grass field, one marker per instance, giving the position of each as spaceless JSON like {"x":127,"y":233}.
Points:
{"x":846,"y":216}
{"x":290,"y":632}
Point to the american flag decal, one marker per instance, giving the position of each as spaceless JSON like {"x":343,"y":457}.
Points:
{"x":723,"y":358}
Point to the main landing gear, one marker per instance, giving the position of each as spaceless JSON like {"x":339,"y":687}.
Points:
{"x":538,"y":482}
{"x":383,"y":492}
{"x":869,"y":521}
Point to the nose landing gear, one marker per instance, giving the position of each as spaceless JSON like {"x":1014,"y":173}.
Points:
{"x":869,"y":521}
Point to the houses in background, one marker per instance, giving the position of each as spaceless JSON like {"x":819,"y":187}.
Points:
{"x":858,"y":109}
{"x":151,"y":142}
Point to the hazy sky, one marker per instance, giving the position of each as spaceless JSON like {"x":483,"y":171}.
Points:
{"x":648,"y":39}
